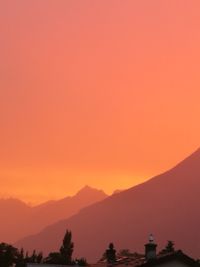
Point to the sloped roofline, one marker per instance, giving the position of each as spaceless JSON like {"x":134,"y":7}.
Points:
{"x":177,"y":255}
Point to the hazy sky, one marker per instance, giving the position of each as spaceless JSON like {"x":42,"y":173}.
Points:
{"x":99,"y":92}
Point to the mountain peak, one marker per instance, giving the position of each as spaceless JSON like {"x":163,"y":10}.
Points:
{"x":167,"y":204}
{"x":89,"y":190}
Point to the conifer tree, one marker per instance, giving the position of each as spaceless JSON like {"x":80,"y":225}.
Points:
{"x":67,"y":248}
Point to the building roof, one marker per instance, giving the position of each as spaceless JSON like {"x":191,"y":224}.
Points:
{"x":139,"y":260}
{"x":163,"y":258}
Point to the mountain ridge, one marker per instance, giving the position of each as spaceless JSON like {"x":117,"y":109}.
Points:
{"x":163,"y":205}
{"x":29,"y":220}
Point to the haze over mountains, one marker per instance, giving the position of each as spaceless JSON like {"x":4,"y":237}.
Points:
{"x":166,"y":205}
{"x":19,"y":219}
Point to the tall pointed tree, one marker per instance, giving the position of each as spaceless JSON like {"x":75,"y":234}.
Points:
{"x":67,"y":248}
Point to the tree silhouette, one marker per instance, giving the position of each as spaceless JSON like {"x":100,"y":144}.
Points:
{"x":54,"y":258}
{"x":169,"y":248}
{"x":111,"y":254}
{"x":64,"y":256}
{"x":67,"y":248}
{"x":81,"y":262}
{"x":8,"y":255}
{"x":21,"y":262}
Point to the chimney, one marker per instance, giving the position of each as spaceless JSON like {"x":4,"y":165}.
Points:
{"x":150,"y":249}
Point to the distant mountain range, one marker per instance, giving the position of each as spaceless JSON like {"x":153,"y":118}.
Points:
{"x":19,"y":220}
{"x":166,"y":205}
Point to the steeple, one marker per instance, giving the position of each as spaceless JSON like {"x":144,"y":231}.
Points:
{"x":150,"y":249}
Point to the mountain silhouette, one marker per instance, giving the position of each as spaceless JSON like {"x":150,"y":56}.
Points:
{"x":166,"y":205}
{"x":20,"y":220}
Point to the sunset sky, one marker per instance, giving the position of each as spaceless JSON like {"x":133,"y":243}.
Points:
{"x":97,"y":92}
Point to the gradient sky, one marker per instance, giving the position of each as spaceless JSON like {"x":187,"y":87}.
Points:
{"x":98,"y":92}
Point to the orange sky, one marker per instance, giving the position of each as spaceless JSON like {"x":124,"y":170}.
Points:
{"x":104,"y":93}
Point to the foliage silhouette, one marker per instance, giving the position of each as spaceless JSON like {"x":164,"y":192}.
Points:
{"x":10,"y":255}
{"x":169,"y":248}
{"x":111,"y":254}
{"x":67,"y":248}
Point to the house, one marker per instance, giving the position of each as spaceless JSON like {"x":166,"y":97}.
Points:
{"x":166,"y":258}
